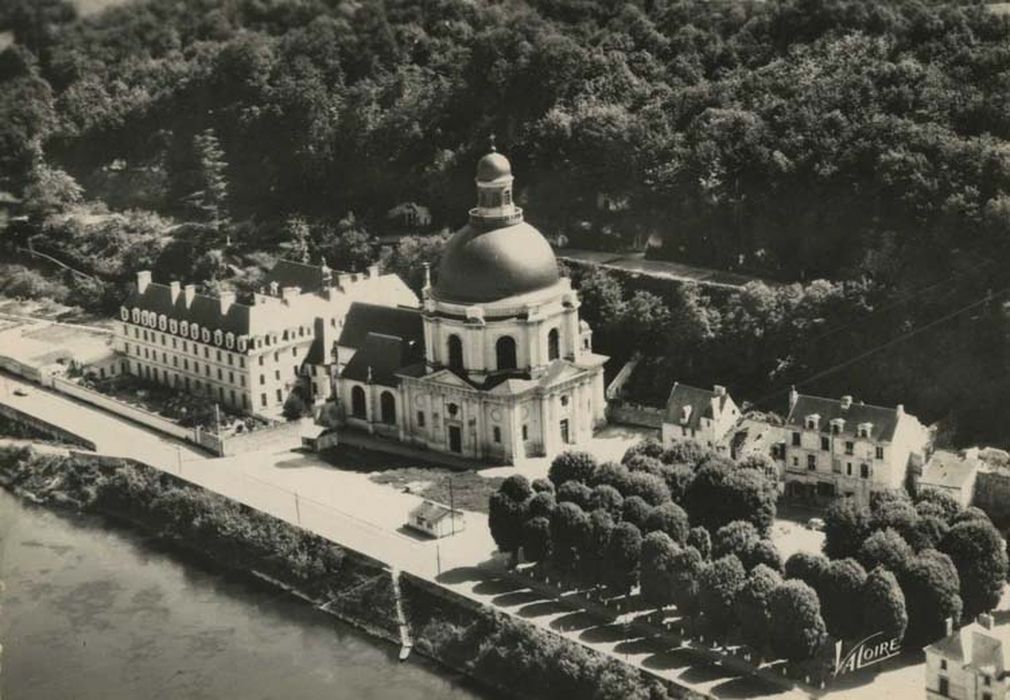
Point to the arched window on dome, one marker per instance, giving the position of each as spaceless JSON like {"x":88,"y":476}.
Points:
{"x":358,"y":402}
{"x":387,"y":408}
{"x":455,"y":353}
{"x":505,"y":349}
{"x":553,"y":345}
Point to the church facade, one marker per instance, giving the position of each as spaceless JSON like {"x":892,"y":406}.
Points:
{"x":497,"y":365}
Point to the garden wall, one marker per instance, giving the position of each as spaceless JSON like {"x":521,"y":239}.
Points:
{"x":627,"y":413}
{"x":125,"y":410}
{"x":279,"y":437}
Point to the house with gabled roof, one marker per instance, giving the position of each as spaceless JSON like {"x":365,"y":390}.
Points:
{"x":842,"y":447}
{"x":700,"y":415}
{"x":971,"y":663}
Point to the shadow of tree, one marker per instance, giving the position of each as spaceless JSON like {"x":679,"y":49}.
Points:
{"x":745,"y":687}
{"x":547,"y":607}
{"x":507,"y":600}
{"x":461,"y":575}
{"x":578,"y":620}
{"x":671,"y":659}
{"x":604,"y":633}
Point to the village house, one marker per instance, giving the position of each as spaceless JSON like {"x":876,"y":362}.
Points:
{"x":953,"y":473}
{"x":970,"y":663}
{"x":842,"y":447}
{"x":707,"y":417}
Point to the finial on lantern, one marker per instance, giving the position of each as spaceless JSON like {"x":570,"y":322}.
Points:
{"x":491,"y":139}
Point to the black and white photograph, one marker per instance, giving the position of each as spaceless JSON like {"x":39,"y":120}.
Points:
{"x":504,"y":349}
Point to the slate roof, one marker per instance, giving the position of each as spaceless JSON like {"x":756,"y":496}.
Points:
{"x":379,"y":358}
{"x":884,"y":420}
{"x":362,"y":319}
{"x":949,"y":470}
{"x":288,"y":273}
{"x":699,"y":400}
{"x":977,"y":646}
{"x":204,"y":310}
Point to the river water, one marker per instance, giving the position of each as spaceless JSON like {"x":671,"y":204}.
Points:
{"x":96,"y":611}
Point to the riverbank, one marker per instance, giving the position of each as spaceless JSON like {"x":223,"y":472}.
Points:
{"x":504,"y":654}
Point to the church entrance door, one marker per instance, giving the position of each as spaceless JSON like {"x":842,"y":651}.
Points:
{"x":455,"y":438}
{"x":565,"y":438}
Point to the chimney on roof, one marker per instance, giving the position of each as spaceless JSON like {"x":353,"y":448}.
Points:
{"x":794,"y":396}
{"x":325,"y":274}
{"x":227,"y":299}
{"x":344,"y":280}
{"x":189,"y":291}
{"x":900,"y":409}
{"x":373,"y":271}
{"x":719,"y":390}
{"x":985,"y":620}
{"x":143,"y":280}
{"x":846,"y":402}
{"x":174,"y":288}
{"x":275,"y":289}
{"x":948,"y":625}
{"x":289,"y":294}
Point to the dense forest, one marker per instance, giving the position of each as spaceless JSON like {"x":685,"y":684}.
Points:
{"x":860,"y":141}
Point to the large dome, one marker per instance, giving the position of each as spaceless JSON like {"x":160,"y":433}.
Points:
{"x":483,"y":265}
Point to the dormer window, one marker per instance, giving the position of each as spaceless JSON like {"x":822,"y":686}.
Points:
{"x":865,"y":430}
{"x":173,"y":326}
{"x":837,"y":426}
{"x":685,"y":414}
{"x":813,"y":421}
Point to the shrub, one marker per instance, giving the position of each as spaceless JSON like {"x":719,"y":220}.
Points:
{"x":885,"y":548}
{"x":575,"y":492}
{"x":846,"y":525}
{"x":658,"y":555}
{"x":607,"y":498}
{"x":537,"y":543}
{"x":670,"y":519}
{"x":516,"y":487}
{"x":649,"y":487}
{"x":572,"y":466}
{"x":699,"y":538}
{"x":980,"y":556}
{"x":751,"y":606}
{"x":840,"y":594}
{"x":796,"y":628}
{"x":734,"y":538}
{"x":807,"y":567}
{"x":947,"y":503}
{"x":687,"y":567}
{"x":592,"y":557}
{"x":541,"y":485}
{"x":718,"y":584}
{"x":883,"y":605}
{"x":650,"y":447}
{"x":622,"y":556}
{"x":720,"y":494}
{"x":541,"y":505}
{"x":932,"y":594}
{"x":762,"y":553}
{"x":644,"y":463}
{"x":570,"y":530}
{"x":635,"y":511}
{"x":678,"y":478}
{"x":611,"y":474}
{"x":686,"y":452}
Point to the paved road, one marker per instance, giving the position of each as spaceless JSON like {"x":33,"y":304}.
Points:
{"x":351,"y":510}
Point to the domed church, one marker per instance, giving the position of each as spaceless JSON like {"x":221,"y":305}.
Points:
{"x":496,"y":365}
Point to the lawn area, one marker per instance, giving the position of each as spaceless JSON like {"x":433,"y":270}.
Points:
{"x":470,"y":490}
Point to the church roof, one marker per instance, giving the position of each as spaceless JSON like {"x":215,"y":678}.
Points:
{"x":363,"y":319}
{"x":493,"y":166}
{"x":204,"y":310}
{"x":379,"y":358}
{"x":481,"y":265}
